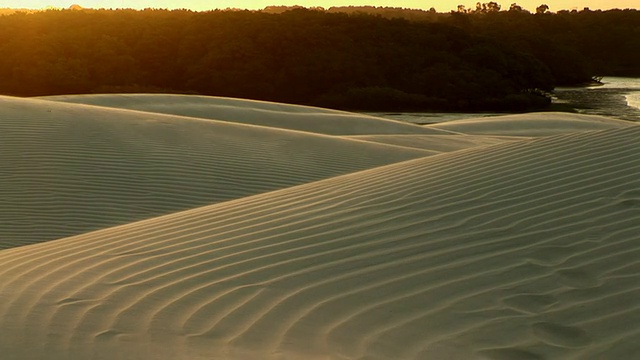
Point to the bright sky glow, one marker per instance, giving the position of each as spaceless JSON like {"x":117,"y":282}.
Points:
{"x":200,"y":5}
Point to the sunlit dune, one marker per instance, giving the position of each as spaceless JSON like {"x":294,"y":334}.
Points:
{"x":437,"y":144}
{"x":519,"y":244}
{"x":535,"y":124}
{"x":68,"y":168}
{"x":295,"y":117}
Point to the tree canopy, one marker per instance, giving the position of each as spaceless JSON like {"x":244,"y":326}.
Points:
{"x":500,"y":60}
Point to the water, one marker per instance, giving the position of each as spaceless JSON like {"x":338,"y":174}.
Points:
{"x":618,"y":98}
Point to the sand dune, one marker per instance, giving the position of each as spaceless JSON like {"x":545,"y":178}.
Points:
{"x":437,"y":144}
{"x":531,"y":125}
{"x":522,"y":250}
{"x":66,"y":169}
{"x":295,"y":117}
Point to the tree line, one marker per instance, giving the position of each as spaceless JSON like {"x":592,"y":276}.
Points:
{"x":459,"y":61}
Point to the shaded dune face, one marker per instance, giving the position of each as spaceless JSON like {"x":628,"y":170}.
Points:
{"x":66,"y":169}
{"x":438,"y":144}
{"x":532,"y":125}
{"x":294,"y":117}
{"x":522,"y":250}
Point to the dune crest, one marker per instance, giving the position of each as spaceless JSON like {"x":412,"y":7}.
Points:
{"x":67,"y":169}
{"x":532,"y":125}
{"x":522,"y":250}
{"x":263,"y":113}
{"x":437,"y":144}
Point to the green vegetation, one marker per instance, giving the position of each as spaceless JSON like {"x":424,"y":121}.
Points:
{"x":364,"y":58}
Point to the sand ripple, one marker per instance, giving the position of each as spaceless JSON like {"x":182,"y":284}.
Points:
{"x":522,"y":250}
{"x":66,"y":169}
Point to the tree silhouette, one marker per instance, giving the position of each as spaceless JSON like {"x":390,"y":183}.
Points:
{"x":395,"y":59}
{"x":542,"y":9}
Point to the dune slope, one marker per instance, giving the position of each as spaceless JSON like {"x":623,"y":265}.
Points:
{"x":66,"y":169}
{"x":295,"y":117}
{"x":523,"y":250}
{"x":437,"y":144}
{"x":531,"y":125}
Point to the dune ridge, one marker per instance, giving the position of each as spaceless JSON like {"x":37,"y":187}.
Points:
{"x":263,"y":113}
{"x":437,"y":144}
{"x":531,"y":125}
{"x":521,"y":250}
{"x":67,"y":168}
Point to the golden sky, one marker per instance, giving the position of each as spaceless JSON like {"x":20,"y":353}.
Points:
{"x":439,"y":5}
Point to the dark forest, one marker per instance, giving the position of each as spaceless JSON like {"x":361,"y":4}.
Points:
{"x":361,"y":59}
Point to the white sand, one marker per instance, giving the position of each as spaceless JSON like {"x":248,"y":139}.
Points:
{"x":295,"y":117}
{"x":534,"y":124}
{"x":66,"y":169}
{"x":521,"y":250}
{"x":437,"y":144}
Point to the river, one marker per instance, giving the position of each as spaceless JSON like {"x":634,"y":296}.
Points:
{"x":617,"y":98}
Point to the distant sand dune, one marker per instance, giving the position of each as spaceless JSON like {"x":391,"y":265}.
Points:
{"x":295,"y":117}
{"x":531,"y":125}
{"x":437,"y":144}
{"x":521,"y":250}
{"x":66,"y":169}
